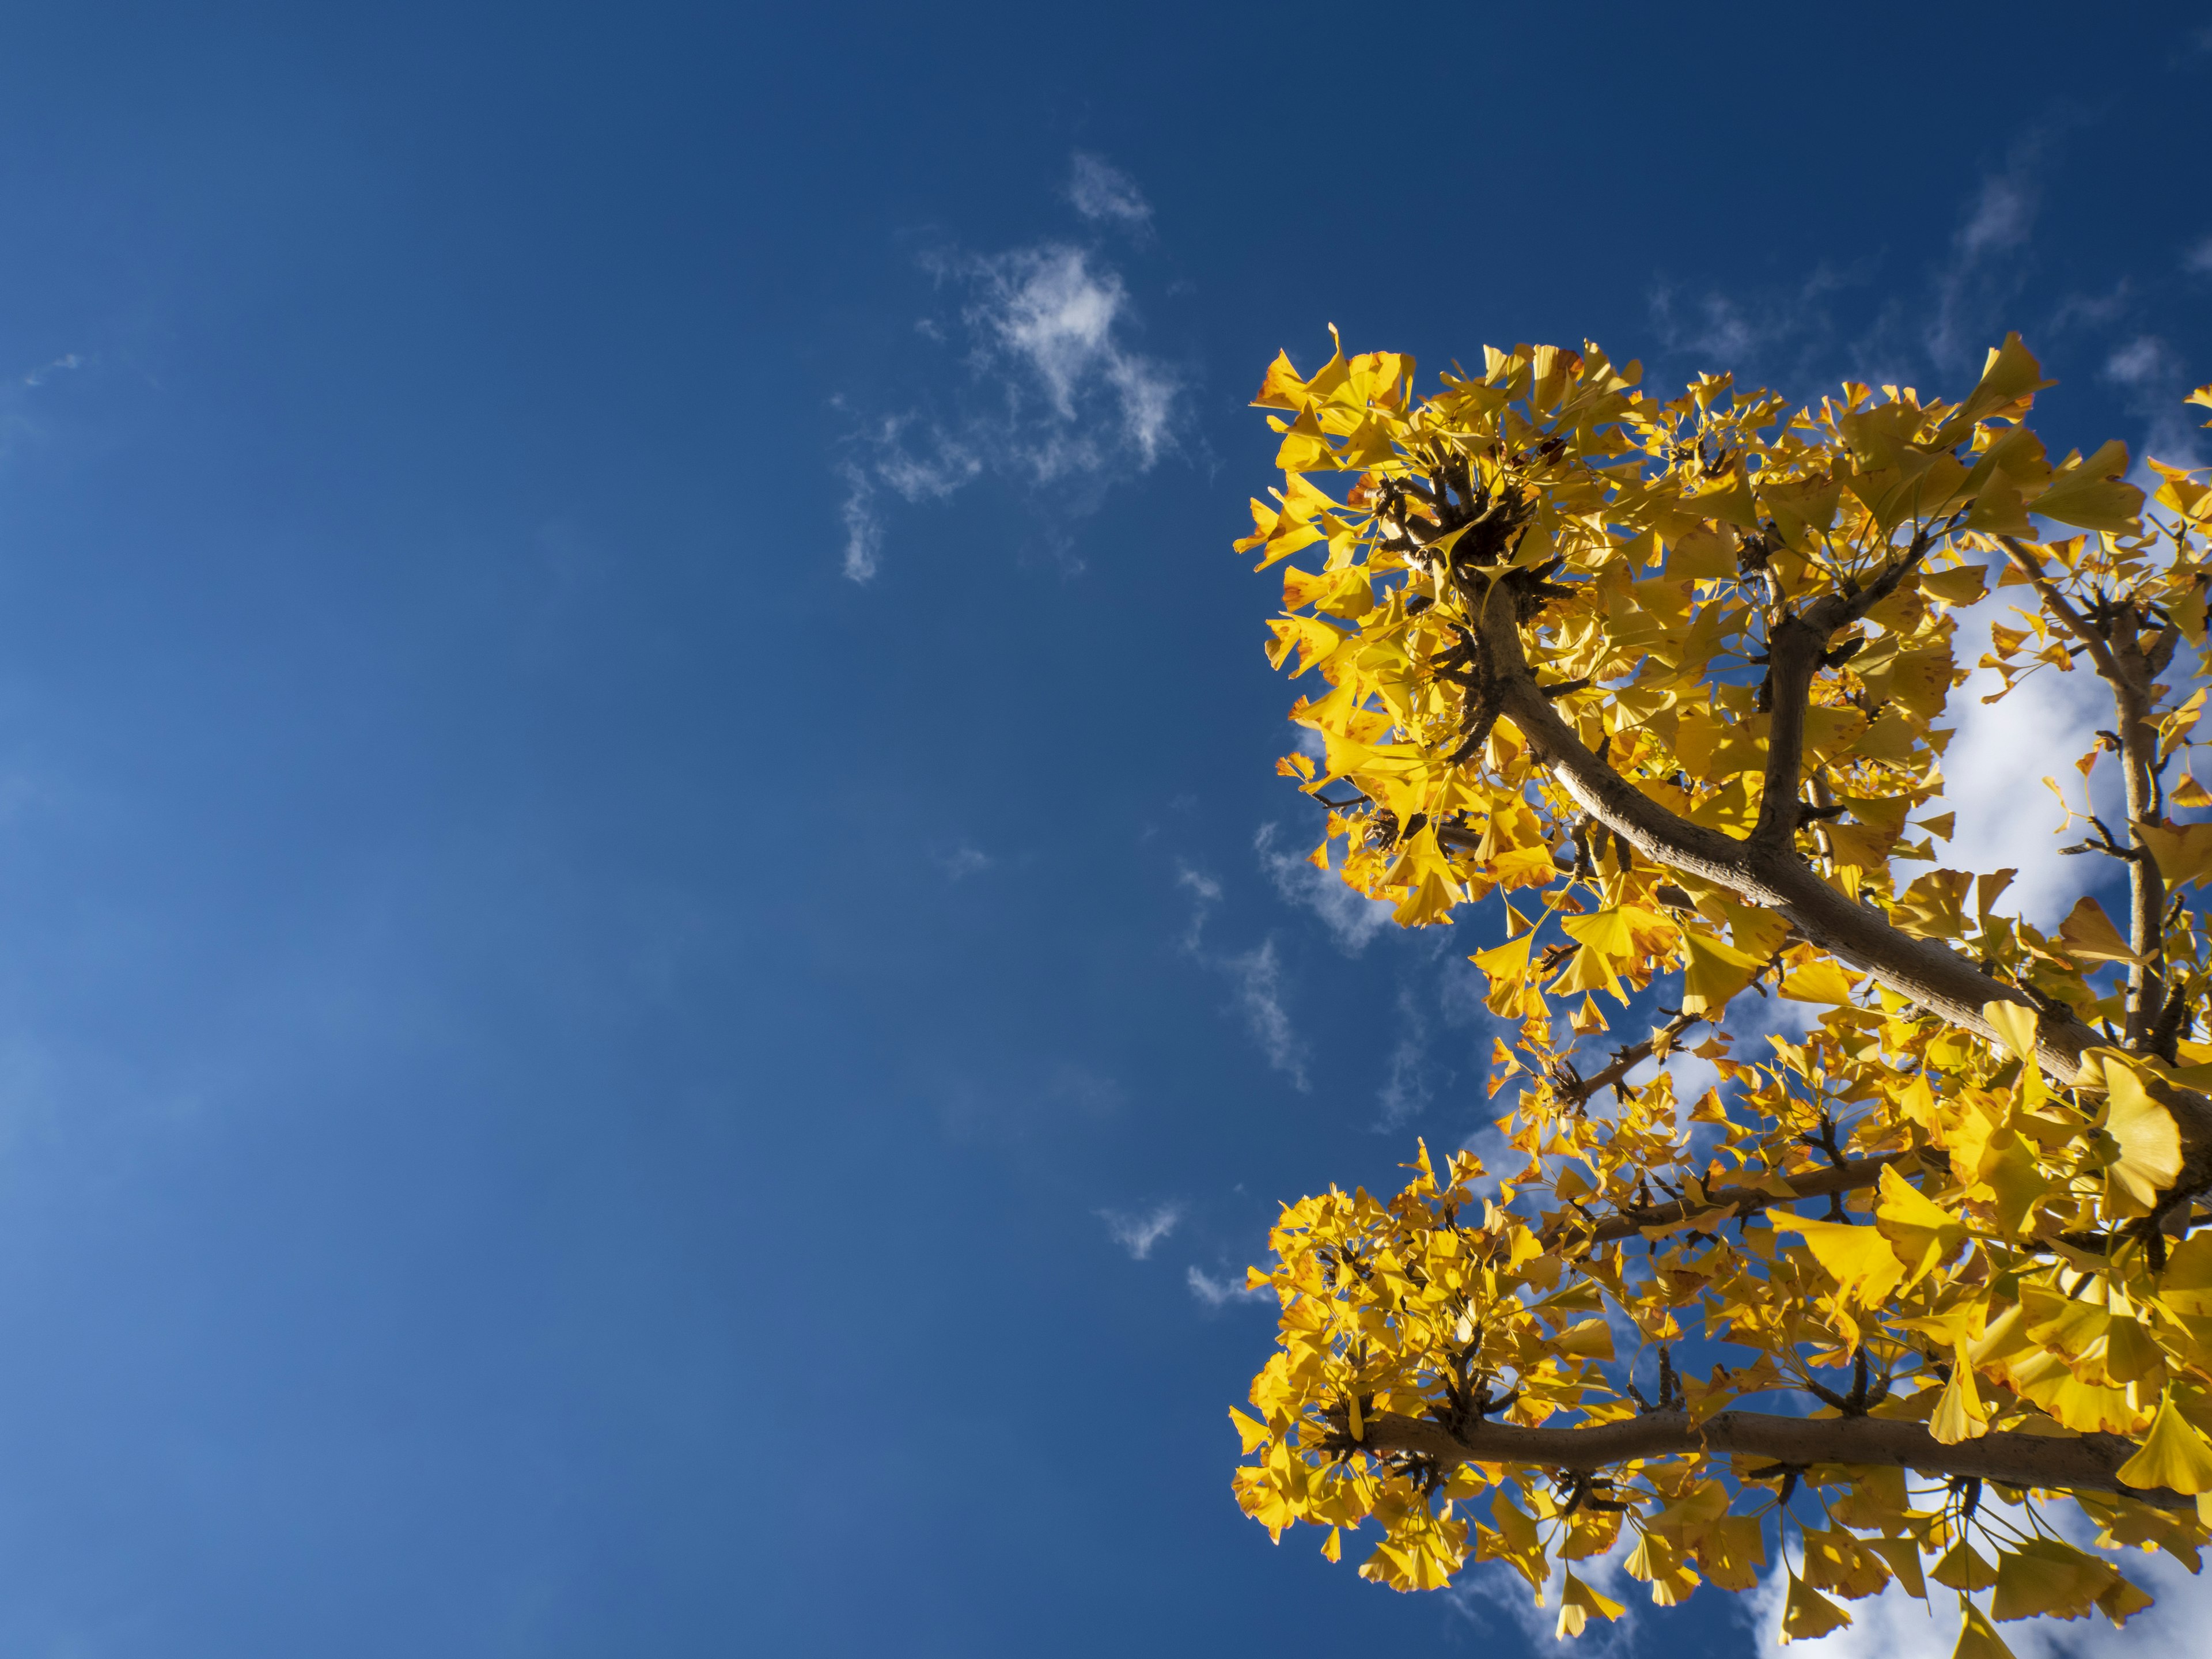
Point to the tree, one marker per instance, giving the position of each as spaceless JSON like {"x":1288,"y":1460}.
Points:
{"x":1661,"y":686}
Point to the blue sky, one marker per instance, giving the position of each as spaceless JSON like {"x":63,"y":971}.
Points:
{"x":646,"y":1003}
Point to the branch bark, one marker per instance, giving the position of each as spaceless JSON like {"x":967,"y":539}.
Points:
{"x":2084,"y":1463}
{"x":1849,"y":1176}
{"x":2115,"y":648}
{"x":1772,"y":875}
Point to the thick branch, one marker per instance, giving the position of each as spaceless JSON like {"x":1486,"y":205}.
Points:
{"x":1722,"y":1201}
{"x":2086,"y":1463}
{"x":1796,"y":650}
{"x":1774,"y":877}
{"x":2113,"y":640}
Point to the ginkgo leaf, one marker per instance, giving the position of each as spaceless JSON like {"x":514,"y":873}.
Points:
{"x":1921,"y":1233}
{"x":2015,"y":1024}
{"x":2090,"y":936}
{"x":2149,"y":1138}
{"x":1818,"y":982}
{"x":1977,"y":1638}
{"x":2184,"y":851}
{"x":1716,"y":972}
{"x":1859,"y":1259}
{"x":1964,"y":1569}
{"x":1577,"y":1602}
{"x":1807,"y":1614}
{"x":2045,"y":1576}
{"x":2173,"y":1455}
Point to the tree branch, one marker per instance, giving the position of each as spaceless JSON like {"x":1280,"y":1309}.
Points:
{"x":1775,"y":878}
{"x":1797,"y":651}
{"x":2112,"y":637}
{"x":1850,"y":1175}
{"x":2084,"y":1463}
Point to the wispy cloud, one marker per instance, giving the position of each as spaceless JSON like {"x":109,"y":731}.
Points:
{"x":1048,"y":391}
{"x":2140,"y":361}
{"x":40,"y":375}
{"x":1406,"y":1087}
{"x":1138,"y":1231}
{"x":1206,"y":893}
{"x":1351,"y":918}
{"x":964,"y":861}
{"x":2198,"y":259}
{"x":1983,"y":271}
{"x":1258,"y":977}
{"x":1219,"y":1292}
{"x":1101,"y":191}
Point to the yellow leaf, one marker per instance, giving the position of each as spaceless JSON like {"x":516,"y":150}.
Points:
{"x":1807,"y":1613}
{"x":1818,"y":982}
{"x":1960,"y":586}
{"x":1282,"y":389}
{"x":2094,"y":493}
{"x":2015,"y":1024}
{"x":2184,"y":851}
{"x":1508,"y":962}
{"x":1577,"y":1602}
{"x":1254,"y":1435}
{"x":1716,"y":972}
{"x":2122,"y":1600}
{"x":2174,"y":1454}
{"x":1604,"y":931}
{"x":2044,"y":1576}
{"x":2149,"y":1138}
{"x":1591,"y":1338}
{"x":1959,"y":1414}
{"x":1924,"y":1234}
{"x":1859,"y":1259}
{"x":1964,"y":1569}
{"x":1977,"y":1638}
{"x":2090,"y":936}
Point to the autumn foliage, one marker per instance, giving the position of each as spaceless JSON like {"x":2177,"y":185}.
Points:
{"x":1655,"y":693}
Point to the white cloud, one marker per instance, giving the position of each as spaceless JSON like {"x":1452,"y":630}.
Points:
{"x":1101,"y":191}
{"x":1483,"y":1591}
{"x":1405,"y":1090}
{"x":964,"y":861}
{"x":1052,"y":312}
{"x":1353,"y":918}
{"x":2198,"y":258}
{"x":1971,"y":287}
{"x":1259,"y":979}
{"x":1055,"y":396}
{"x":38,"y":375}
{"x":1993,"y":773}
{"x":1137,"y":1232}
{"x":1893,"y":1626}
{"x":1206,"y":893}
{"x":1217,"y":1292}
{"x":2003,"y":214}
{"x":2142,"y":359}
{"x":864,"y":526}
